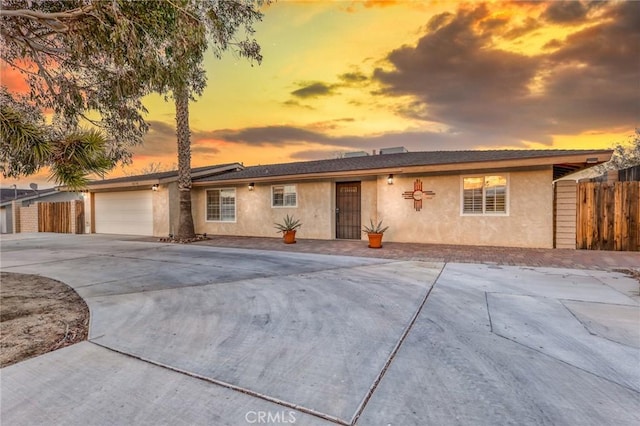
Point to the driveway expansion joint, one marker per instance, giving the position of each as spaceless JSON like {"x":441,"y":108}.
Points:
{"x":394,"y":352}
{"x":230,"y":386}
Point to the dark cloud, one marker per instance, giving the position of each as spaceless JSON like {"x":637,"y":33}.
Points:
{"x":314,"y":90}
{"x":329,"y":124}
{"x":530,"y":24}
{"x":553,"y":44}
{"x":562,"y":12}
{"x":270,"y":135}
{"x":458,"y":77}
{"x":310,"y":90}
{"x":595,"y":76}
{"x":159,"y":141}
{"x":353,"y":78}
{"x":462,"y":80}
{"x":493,"y":24}
{"x":296,"y":104}
{"x":204,"y":148}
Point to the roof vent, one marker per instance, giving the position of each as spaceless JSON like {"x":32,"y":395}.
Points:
{"x":355,"y":154}
{"x":394,"y":150}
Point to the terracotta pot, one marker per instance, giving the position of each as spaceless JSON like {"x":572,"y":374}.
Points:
{"x":289,"y":237}
{"x":375,"y":240}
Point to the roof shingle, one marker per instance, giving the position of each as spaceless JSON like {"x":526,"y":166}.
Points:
{"x":384,"y":161}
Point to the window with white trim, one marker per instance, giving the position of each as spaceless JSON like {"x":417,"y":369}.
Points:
{"x":221,"y":205}
{"x":284,"y":196}
{"x":484,"y":195}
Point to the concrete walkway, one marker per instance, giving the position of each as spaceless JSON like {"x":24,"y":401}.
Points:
{"x":197,"y":334}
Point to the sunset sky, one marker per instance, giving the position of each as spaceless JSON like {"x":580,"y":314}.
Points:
{"x":341,"y":76}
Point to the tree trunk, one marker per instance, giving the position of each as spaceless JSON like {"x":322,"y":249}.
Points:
{"x":185,"y":224}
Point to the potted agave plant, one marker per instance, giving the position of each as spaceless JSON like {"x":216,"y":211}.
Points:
{"x":374,"y":232}
{"x":288,"y":228}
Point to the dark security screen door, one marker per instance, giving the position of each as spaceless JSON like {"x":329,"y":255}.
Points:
{"x":348,"y":210}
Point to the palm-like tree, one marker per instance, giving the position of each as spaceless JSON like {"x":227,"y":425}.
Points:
{"x":28,"y":144}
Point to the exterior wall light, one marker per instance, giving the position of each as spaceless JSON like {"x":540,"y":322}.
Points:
{"x":154,"y":187}
{"x":390,"y":179}
{"x":251,"y":186}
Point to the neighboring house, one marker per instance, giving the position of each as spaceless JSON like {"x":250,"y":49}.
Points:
{"x":500,"y":198}
{"x":139,"y":205}
{"x":10,"y":216}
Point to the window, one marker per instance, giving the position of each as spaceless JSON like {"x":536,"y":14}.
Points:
{"x":484,"y":195}
{"x":221,"y":205}
{"x":284,"y":196}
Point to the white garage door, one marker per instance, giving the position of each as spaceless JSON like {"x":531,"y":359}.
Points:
{"x":126,"y":213}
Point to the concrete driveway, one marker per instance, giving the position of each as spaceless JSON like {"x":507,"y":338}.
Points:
{"x":198,"y":335}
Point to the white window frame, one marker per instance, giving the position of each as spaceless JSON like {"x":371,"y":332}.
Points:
{"x":284,"y":196}
{"x":235,"y":206}
{"x":484,"y":213}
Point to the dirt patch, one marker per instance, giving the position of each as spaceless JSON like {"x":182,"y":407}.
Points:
{"x":38,"y":315}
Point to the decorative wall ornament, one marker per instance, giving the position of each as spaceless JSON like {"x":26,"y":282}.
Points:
{"x":417,"y":195}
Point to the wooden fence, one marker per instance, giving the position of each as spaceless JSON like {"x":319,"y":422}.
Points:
{"x":629,"y":174}
{"x":65,"y":217}
{"x":608,"y":216}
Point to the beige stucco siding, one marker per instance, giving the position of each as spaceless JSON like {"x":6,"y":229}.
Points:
{"x":529,"y":222}
{"x":161,"y":211}
{"x":369,"y":202}
{"x":255,"y":216}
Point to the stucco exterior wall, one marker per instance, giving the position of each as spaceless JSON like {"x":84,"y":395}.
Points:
{"x":161,"y":211}
{"x":7,"y":215}
{"x":88,"y":213}
{"x":174,"y":206}
{"x":529,"y":222}
{"x":369,"y":202}
{"x":255,"y":216}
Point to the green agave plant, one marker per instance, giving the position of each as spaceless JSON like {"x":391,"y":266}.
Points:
{"x":288,"y":224}
{"x":374,"y":229}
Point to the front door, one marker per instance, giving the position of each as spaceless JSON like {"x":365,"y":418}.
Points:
{"x":348,"y":211}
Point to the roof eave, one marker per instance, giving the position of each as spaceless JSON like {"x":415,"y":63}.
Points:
{"x":98,"y":186}
{"x":205,"y":173}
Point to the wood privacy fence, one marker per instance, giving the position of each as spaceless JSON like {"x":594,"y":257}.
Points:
{"x":608,"y":216}
{"x":65,"y":217}
{"x":629,"y":174}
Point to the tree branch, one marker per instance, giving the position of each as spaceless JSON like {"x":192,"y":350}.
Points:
{"x":48,"y":16}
